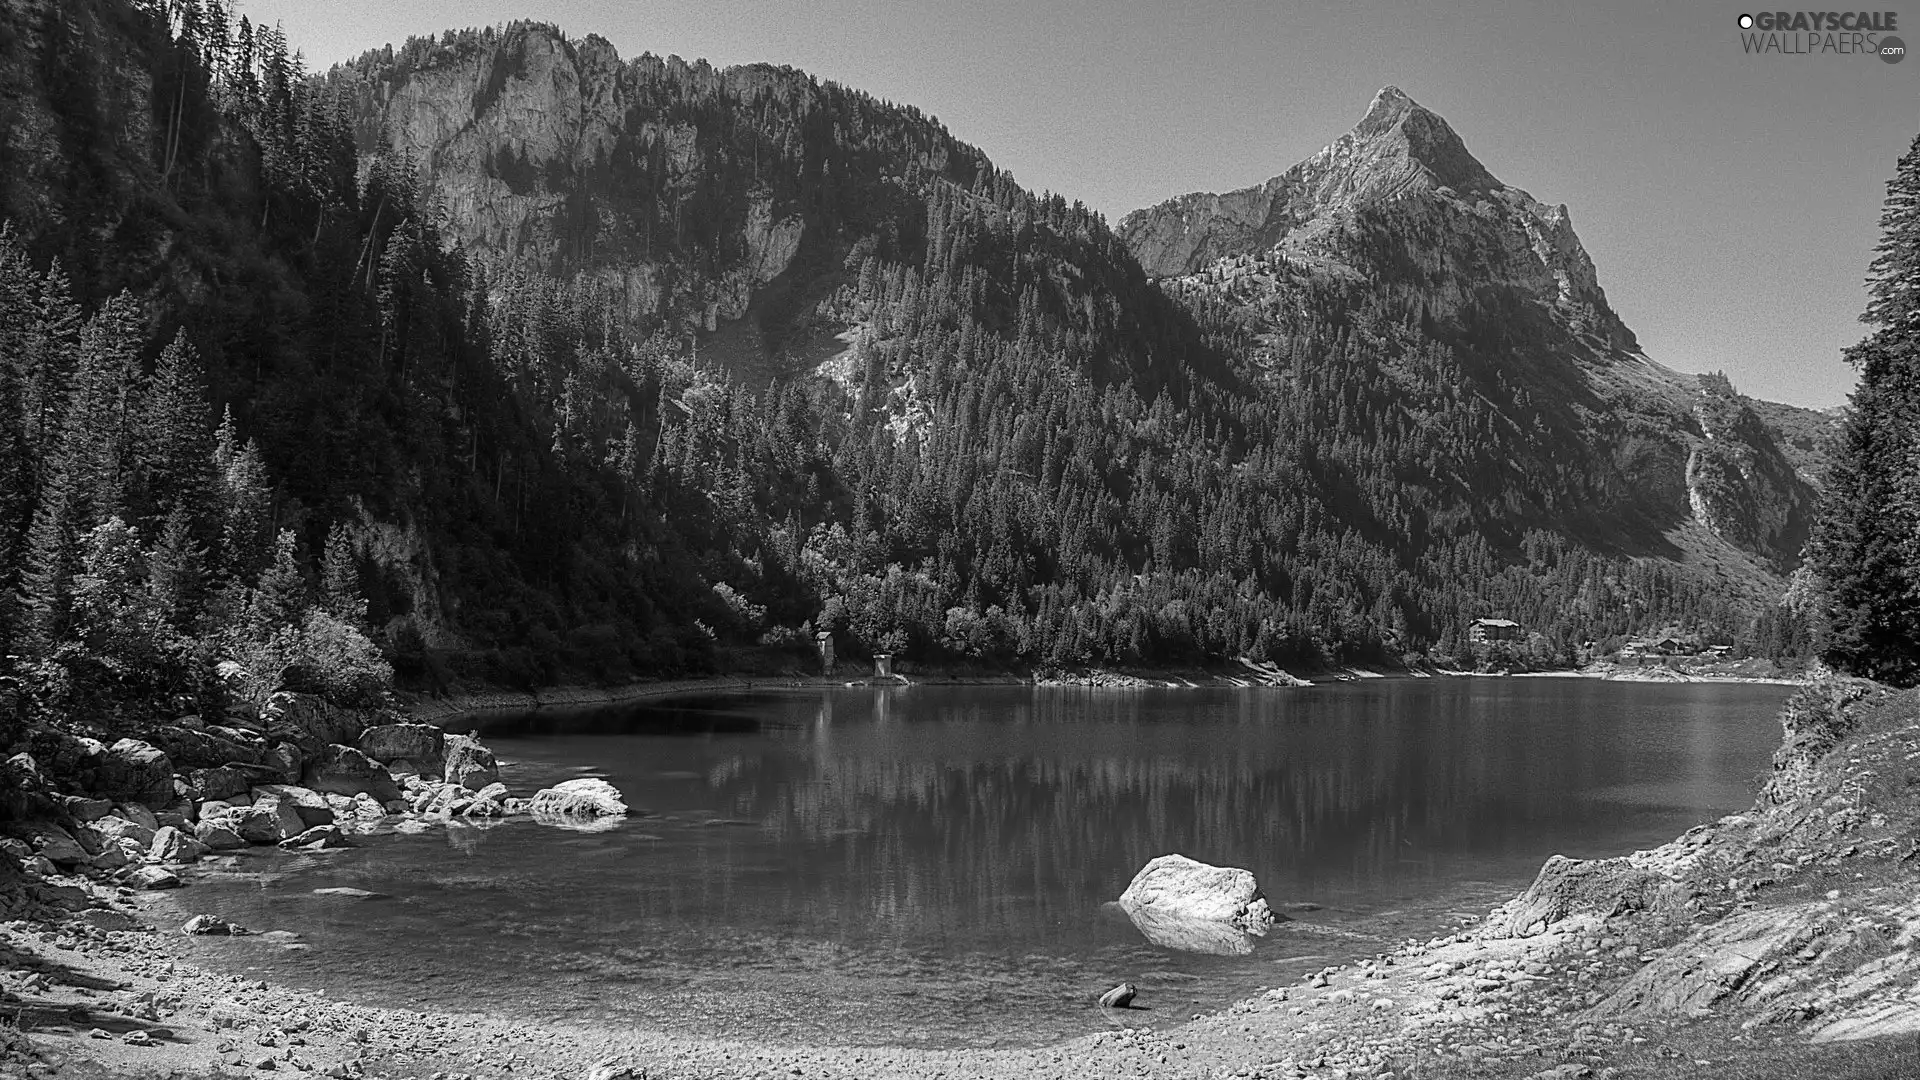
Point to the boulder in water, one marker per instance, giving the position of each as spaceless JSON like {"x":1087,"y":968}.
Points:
{"x":1174,"y":891}
{"x":468,"y":763}
{"x":343,"y":770}
{"x":587,"y":797}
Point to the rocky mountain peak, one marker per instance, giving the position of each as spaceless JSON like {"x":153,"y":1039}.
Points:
{"x":1397,"y":128}
{"x":1403,"y":174}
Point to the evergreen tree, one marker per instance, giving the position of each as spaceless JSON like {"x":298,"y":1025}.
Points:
{"x":176,"y":572}
{"x":340,"y":578}
{"x":280,"y":598}
{"x":1867,"y":542}
{"x":245,"y":498}
{"x":176,"y":436}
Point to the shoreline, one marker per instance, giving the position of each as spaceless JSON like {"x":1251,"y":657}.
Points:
{"x":1630,"y":966}
{"x":482,"y":703}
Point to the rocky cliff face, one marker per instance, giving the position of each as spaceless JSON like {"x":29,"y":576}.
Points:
{"x":558,"y":156}
{"x":1399,"y":204}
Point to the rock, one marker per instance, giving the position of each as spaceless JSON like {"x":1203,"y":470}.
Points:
{"x":1566,"y":887}
{"x":585,"y":797}
{"x":468,"y":763}
{"x":269,"y":820}
{"x":346,"y":771}
{"x":489,"y":801}
{"x":51,"y":842}
{"x":218,"y":835}
{"x":309,"y":722}
{"x":1572,"y":1070}
{"x":173,"y":846}
{"x":104,"y":919}
{"x":138,"y":1037}
{"x":65,"y":897}
{"x":114,"y":827}
{"x":221,"y":782}
{"x":406,"y":747}
{"x":1120,"y":997}
{"x":153,"y":877}
{"x":615,"y":1069}
{"x":368,"y":808}
{"x":287,"y":762}
{"x":309,"y":804}
{"x":1176,"y":887}
{"x":139,"y":815}
{"x":111,"y":857}
{"x":210,"y":926}
{"x":85,"y":809}
{"x":318,"y":838}
{"x":348,"y":892}
{"x":133,"y":771}
{"x":210,"y":746}
{"x":25,"y":794}
{"x":39,"y":866}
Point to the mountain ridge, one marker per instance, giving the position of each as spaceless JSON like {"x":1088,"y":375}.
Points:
{"x":1398,"y":202}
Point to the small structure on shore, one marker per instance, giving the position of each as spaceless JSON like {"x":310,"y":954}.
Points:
{"x":1485,"y":630}
{"x":823,"y":644}
{"x":883,"y":665}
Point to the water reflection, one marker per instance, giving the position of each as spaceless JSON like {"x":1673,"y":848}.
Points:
{"x":939,"y":863}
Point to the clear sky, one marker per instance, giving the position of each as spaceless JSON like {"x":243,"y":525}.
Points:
{"x":1730,"y":201}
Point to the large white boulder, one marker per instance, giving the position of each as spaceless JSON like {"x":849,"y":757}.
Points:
{"x":1174,"y":887}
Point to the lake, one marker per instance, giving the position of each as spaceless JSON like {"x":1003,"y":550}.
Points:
{"x":936,"y":864}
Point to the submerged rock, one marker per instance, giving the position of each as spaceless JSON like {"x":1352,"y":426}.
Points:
{"x":1173,"y":891}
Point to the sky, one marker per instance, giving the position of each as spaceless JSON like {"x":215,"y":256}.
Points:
{"x":1730,"y":201}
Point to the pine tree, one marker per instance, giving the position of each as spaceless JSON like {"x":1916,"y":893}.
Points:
{"x":1867,"y":541}
{"x":176,"y":572}
{"x":281,"y":597}
{"x":1893,"y":279}
{"x":245,"y":497}
{"x":176,"y":437}
{"x":340,"y":577}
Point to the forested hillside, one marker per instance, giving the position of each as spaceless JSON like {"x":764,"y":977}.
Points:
{"x":582,"y":368}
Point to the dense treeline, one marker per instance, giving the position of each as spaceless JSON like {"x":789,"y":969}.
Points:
{"x":1867,"y":549}
{"x":1025,"y":453}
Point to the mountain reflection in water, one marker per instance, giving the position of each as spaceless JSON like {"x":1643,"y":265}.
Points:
{"x":938,"y":863}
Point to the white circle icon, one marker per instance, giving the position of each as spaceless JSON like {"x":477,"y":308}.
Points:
{"x":1746,"y":22}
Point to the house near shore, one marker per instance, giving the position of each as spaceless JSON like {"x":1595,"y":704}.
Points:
{"x":1485,"y":630}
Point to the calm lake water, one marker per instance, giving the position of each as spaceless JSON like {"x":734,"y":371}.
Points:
{"x":936,"y":864}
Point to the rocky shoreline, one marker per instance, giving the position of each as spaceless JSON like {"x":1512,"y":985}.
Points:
{"x":1776,"y":942}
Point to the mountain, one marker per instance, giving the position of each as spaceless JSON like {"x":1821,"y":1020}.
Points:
{"x":598,"y":367}
{"x":1653,"y":461}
